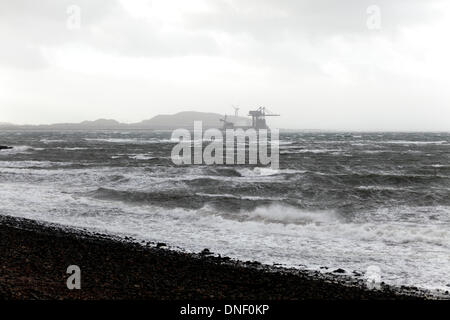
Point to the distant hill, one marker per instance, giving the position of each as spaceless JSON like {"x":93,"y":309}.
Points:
{"x":106,"y":123}
{"x":160,"y":122}
{"x":5,"y":124}
{"x":85,"y":125}
{"x":186,"y":120}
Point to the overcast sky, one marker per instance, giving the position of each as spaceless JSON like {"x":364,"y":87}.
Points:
{"x":325,"y":64}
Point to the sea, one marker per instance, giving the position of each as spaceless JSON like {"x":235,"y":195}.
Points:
{"x":349,"y":200}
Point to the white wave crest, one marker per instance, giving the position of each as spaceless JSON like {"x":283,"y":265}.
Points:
{"x":17,"y":149}
{"x":263,"y":171}
{"x":287,"y":215}
{"x":141,"y":157}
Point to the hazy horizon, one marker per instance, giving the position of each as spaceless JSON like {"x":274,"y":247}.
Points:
{"x":281,"y":128}
{"x":326,"y":65}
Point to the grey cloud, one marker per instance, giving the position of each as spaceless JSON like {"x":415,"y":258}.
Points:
{"x":272,"y":31}
{"x":27,"y":26}
{"x":265,"y":19}
{"x":128,"y":36}
{"x":295,"y":34}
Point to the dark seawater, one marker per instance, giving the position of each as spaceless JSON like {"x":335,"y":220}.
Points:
{"x":347,"y":200}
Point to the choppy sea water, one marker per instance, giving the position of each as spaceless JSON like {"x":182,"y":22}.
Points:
{"x":341,"y":200}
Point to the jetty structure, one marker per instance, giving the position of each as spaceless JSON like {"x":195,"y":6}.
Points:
{"x":258,"y":119}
